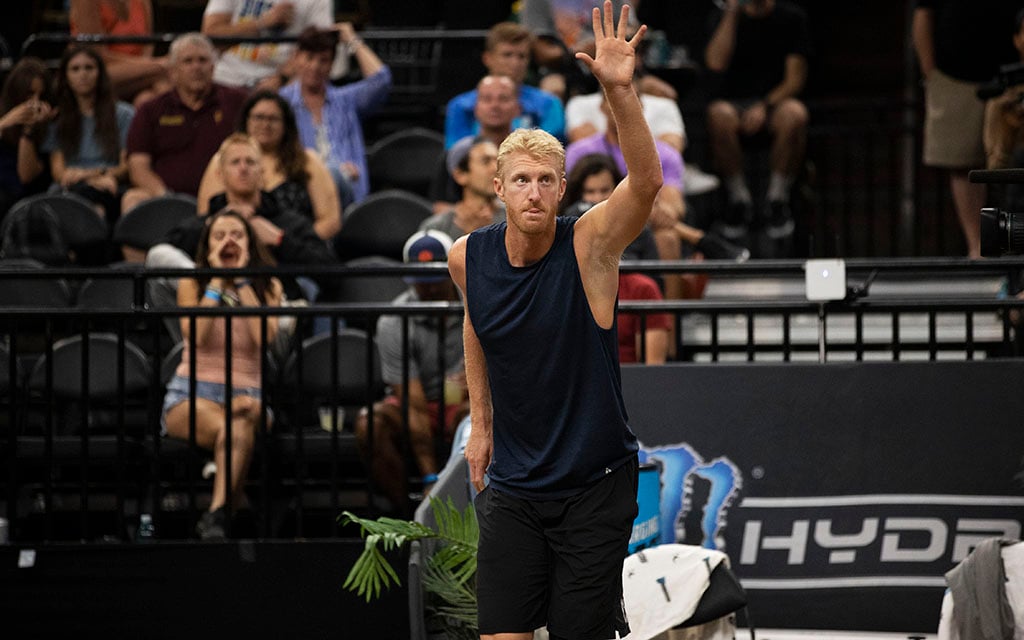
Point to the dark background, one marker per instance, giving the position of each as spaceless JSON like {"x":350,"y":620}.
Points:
{"x":859,"y":46}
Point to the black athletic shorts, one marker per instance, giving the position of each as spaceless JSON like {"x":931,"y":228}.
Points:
{"x":556,"y":562}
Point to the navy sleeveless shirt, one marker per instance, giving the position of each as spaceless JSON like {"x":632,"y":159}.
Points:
{"x":560,"y":423}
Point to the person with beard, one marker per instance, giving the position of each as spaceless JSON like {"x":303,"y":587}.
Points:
{"x":549,"y":424}
{"x":472,"y":163}
{"x":495,"y":111}
{"x":227,"y":241}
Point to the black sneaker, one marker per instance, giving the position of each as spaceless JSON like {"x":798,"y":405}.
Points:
{"x":734,"y":225}
{"x":716,"y":248}
{"x":779,"y":223}
{"x":211,"y":525}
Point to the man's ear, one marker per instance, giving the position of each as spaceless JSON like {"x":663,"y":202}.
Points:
{"x":460,"y":177}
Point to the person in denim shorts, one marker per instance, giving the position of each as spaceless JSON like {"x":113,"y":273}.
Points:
{"x":227,"y":241}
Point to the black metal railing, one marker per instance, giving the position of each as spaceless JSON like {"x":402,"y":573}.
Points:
{"x":83,"y":456}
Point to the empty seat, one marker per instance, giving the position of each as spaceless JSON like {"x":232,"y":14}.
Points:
{"x":55,"y":229}
{"x":380,"y":224}
{"x":369,"y":288}
{"x":148,"y":223}
{"x":405,"y":159}
{"x":42,"y":292}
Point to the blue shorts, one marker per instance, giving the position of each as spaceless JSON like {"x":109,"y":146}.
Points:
{"x":178,"y":392}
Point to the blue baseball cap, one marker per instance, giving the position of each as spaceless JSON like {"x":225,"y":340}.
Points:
{"x":426,"y":246}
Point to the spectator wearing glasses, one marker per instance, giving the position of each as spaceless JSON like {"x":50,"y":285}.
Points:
{"x":293,"y":176}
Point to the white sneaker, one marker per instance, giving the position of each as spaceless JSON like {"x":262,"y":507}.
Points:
{"x":696,"y":181}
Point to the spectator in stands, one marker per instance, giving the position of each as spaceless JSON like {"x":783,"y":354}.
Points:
{"x":437,"y":398}
{"x":174,"y":135}
{"x":330,"y":117}
{"x":288,"y":236}
{"x":472,"y":163}
{"x":227,"y":241}
{"x":669,"y":207}
{"x":585,"y":117}
{"x":495,"y":111}
{"x":135,"y":73}
{"x":561,"y":28}
{"x":294,"y":176}
{"x":506,"y":53}
{"x":1004,"y":116}
{"x":960,"y":45}
{"x":1003,"y":132}
{"x":86,"y":141}
{"x":758,"y":51}
{"x":24,"y":113}
{"x":592,"y":180}
{"x":268,"y":65}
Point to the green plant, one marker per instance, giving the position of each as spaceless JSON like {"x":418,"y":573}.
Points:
{"x":448,"y":574}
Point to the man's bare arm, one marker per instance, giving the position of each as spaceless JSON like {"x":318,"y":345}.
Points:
{"x":722,"y":44}
{"x":140,"y":170}
{"x":480,"y":446}
{"x":611,"y":227}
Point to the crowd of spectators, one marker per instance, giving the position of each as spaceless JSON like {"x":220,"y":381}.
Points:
{"x":273,"y":132}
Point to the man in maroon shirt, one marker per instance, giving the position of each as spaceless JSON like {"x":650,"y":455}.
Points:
{"x":174,"y":135}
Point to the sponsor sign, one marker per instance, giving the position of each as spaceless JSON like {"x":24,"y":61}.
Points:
{"x":837,"y":490}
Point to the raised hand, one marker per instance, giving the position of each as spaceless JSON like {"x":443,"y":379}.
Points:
{"x":615,"y":56}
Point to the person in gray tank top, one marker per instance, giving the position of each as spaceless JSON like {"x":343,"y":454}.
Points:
{"x":549,"y":427}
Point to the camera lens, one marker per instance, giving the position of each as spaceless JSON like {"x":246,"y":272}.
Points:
{"x":1002,"y":232}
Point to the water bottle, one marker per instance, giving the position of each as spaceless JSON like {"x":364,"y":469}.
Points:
{"x":146,"y":530}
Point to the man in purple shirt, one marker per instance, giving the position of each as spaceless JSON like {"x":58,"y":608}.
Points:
{"x":329,"y":117}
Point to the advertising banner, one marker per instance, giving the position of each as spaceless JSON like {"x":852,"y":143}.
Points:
{"x":842,"y":493}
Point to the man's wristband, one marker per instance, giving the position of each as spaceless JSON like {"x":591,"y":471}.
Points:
{"x":244,"y":282}
{"x":213,"y":294}
{"x":430,"y":478}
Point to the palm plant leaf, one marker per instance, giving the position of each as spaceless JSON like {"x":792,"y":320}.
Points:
{"x":455,"y":598}
{"x":448,"y":574}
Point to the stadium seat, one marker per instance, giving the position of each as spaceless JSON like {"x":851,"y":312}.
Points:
{"x":147,"y":223}
{"x":405,"y":159}
{"x":56,"y":229}
{"x":380,"y":224}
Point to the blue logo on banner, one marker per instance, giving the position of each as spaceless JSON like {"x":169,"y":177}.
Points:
{"x":680,"y":465}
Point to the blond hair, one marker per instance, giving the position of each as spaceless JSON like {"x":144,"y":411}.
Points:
{"x":537,"y":144}
{"x":238,"y":138}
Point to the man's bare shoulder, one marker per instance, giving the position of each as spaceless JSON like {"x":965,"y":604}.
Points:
{"x":457,"y":261}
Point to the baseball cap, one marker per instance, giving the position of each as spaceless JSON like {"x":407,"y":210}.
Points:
{"x":426,"y":246}
{"x":459,"y":151}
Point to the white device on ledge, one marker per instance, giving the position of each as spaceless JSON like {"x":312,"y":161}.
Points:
{"x":826,"y":279}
